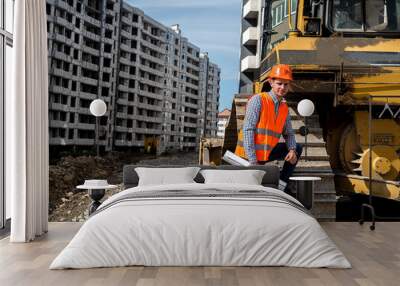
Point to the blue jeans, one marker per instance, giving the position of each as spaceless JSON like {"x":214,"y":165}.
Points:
{"x":279,"y":153}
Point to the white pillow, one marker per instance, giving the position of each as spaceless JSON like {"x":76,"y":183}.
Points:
{"x":248,"y":177}
{"x":163,"y":176}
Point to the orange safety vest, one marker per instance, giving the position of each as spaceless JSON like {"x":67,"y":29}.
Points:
{"x":268,"y":129}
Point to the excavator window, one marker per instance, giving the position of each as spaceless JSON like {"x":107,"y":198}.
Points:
{"x":347,"y":15}
{"x":365,"y":15}
{"x":376,"y":17}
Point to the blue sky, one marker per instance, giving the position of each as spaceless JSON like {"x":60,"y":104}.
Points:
{"x":212,"y":25}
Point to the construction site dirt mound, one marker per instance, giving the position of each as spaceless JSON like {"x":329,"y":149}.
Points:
{"x":66,"y":203}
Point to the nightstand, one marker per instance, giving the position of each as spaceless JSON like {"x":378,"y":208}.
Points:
{"x":96,"y":190}
{"x":305,"y":190}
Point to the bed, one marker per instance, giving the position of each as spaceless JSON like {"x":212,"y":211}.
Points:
{"x":201,"y":224}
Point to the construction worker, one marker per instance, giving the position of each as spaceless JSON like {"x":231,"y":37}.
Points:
{"x":267,"y":118}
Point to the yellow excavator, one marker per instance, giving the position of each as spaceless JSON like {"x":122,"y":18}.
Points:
{"x":345,"y":56}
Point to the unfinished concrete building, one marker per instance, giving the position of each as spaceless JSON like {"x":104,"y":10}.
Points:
{"x":209,"y":82}
{"x":148,"y":75}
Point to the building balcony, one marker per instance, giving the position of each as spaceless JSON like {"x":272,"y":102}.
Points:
{"x":189,"y":134}
{"x":88,"y":80}
{"x":121,"y":115}
{"x":90,"y":35}
{"x":123,"y":101}
{"x":153,"y":47}
{"x":93,"y":21}
{"x":91,"y":51}
{"x":188,"y":114}
{"x":81,"y":110}
{"x":126,"y":61}
{"x":110,"y":12}
{"x":192,"y":66}
{"x":63,"y":39}
{"x":89,"y":65}
{"x":148,"y":131}
{"x":126,"y":34}
{"x":251,"y":9}
{"x":250,"y":36}
{"x":107,"y":69}
{"x":64,"y":22}
{"x":189,"y":104}
{"x":62,"y":56}
{"x":151,"y":94}
{"x":189,"y":124}
{"x":84,"y":142}
{"x":249,"y":63}
{"x":192,"y":76}
{"x":126,"y":20}
{"x":108,"y":40}
{"x":86,"y":95}
{"x":149,"y":119}
{"x":126,"y":75}
{"x":150,"y":107}
{"x":58,"y":106}
{"x":58,"y":123}
{"x":59,"y":89}
{"x":189,"y":144}
{"x":85,"y":126}
{"x":158,"y":37}
{"x":193,"y":57}
{"x":60,"y":72}
{"x":127,"y":48}
{"x":159,"y":60}
{"x":57,"y":141}
{"x":151,"y":82}
{"x":108,"y":26}
{"x":122,"y":87}
{"x":122,"y":129}
{"x":122,"y":142}
{"x":105,"y":84}
{"x":191,"y":85}
{"x":65,"y":6}
{"x":148,"y":69}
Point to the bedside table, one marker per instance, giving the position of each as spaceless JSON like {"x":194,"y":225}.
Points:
{"x":305,"y":190}
{"x":96,"y":190}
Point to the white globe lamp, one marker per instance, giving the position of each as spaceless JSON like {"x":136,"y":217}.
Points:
{"x":97,"y":108}
{"x":305,"y":107}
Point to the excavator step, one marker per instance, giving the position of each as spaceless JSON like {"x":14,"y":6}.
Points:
{"x":311,"y":139}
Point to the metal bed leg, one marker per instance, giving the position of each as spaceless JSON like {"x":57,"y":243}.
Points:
{"x":372,"y":209}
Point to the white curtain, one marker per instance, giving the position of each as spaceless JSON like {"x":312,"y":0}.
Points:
{"x":27,"y":124}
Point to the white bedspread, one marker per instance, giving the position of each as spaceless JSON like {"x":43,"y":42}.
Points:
{"x":200,"y":231}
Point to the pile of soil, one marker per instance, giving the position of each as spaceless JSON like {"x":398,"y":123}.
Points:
{"x":66,"y":203}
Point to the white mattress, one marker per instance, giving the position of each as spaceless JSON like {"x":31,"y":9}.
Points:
{"x":185,"y":231}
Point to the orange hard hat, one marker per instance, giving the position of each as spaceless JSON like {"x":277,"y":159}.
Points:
{"x":281,"y":71}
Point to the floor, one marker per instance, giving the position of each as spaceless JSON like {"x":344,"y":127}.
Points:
{"x":375,"y":256}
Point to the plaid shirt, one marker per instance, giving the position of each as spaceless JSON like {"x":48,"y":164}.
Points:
{"x":253,"y":110}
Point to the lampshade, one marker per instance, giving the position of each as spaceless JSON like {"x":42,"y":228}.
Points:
{"x":98,"y":107}
{"x":305,"y":107}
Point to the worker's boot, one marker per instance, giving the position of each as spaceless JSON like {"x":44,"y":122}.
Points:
{"x":287,"y":188}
